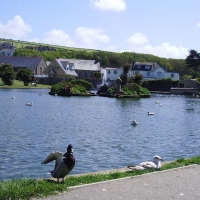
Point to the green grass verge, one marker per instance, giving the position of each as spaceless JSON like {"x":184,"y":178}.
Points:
{"x":28,"y":188}
{"x":20,"y":84}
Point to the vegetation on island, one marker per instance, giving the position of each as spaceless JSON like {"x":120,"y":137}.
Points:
{"x":73,"y":86}
{"x":26,"y":188}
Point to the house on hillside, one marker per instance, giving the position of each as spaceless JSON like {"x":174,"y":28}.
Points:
{"x":151,"y":70}
{"x":112,"y":74}
{"x":40,"y":48}
{"x":6,"y":49}
{"x":83,"y":69}
{"x":148,"y":70}
{"x":60,"y":68}
{"x":35,"y":64}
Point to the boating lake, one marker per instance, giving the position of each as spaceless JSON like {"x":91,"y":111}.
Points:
{"x":99,"y":128}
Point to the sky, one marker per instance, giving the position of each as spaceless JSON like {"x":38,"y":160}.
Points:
{"x":165,"y":28}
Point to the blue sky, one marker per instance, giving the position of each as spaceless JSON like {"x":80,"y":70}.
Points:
{"x":166,"y":28}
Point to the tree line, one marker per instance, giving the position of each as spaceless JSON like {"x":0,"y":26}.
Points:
{"x":8,"y":75}
{"x":112,"y":59}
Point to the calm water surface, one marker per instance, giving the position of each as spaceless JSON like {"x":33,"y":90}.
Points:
{"x":99,"y":128}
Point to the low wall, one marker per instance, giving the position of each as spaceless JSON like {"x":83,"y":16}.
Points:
{"x":186,"y":91}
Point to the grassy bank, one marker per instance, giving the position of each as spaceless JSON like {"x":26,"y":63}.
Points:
{"x":27,"y":188}
{"x":20,"y":84}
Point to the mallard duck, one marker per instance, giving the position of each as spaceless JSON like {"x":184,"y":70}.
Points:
{"x":155,"y":164}
{"x":63,"y":163}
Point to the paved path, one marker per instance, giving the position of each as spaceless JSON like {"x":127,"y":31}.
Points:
{"x":175,"y":184}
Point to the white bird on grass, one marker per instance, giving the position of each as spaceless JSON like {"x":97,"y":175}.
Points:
{"x":155,"y":164}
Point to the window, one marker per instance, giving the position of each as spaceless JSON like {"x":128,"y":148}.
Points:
{"x":147,"y":67}
{"x":159,"y":73}
{"x":108,"y":71}
{"x":138,"y":66}
{"x":172,"y":75}
{"x":115,"y":71}
{"x":148,"y":73}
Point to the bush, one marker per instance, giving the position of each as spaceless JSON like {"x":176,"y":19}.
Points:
{"x":72,"y":87}
{"x":111,"y":91}
{"x":87,"y":85}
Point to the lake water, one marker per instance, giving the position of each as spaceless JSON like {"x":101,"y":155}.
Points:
{"x":99,"y":128}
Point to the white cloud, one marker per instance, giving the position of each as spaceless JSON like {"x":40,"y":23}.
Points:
{"x":137,"y":39}
{"x":57,"y":37}
{"x":109,"y":5}
{"x":15,"y":28}
{"x":198,"y":25}
{"x":90,"y":38}
{"x":139,"y":43}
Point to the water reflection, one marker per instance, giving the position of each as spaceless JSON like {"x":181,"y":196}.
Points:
{"x":99,"y":128}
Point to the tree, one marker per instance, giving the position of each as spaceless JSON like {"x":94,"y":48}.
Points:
{"x":136,"y":79}
{"x":7,"y":74}
{"x":97,"y":75}
{"x":193,"y":61}
{"x":25,"y":75}
{"x":124,"y":77}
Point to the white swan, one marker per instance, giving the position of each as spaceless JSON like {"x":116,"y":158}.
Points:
{"x":13,"y":97}
{"x":134,"y":122}
{"x":63,"y":163}
{"x":29,"y":104}
{"x":151,"y":113}
{"x":155,"y":164}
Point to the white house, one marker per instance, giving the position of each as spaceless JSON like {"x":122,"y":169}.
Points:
{"x":148,"y":70}
{"x":151,"y":70}
{"x":111,"y":74}
{"x":6,"y":49}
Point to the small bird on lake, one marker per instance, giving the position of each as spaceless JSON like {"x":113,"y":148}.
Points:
{"x":151,"y":113}
{"x":134,"y":122}
{"x":155,"y":164}
{"x":29,"y":104}
{"x":63,"y":163}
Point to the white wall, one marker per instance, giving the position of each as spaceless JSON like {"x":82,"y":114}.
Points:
{"x":112,"y":73}
{"x":172,"y":75}
{"x":159,"y":73}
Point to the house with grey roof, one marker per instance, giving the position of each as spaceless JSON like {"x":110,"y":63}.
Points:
{"x":83,"y":69}
{"x":6,"y":49}
{"x":35,"y":64}
{"x":151,"y":70}
{"x":60,"y":68}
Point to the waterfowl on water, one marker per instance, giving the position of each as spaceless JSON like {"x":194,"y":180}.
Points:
{"x":63,"y":163}
{"x":155,"y":164}
{"x":134,"y":122}
{"x":13,"y":97}
{"x":29,"y":104}
{"x":151,"y":113}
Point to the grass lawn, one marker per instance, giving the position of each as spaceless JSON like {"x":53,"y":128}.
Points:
{"x":28,"y":188}
{"x":20,"y":84}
